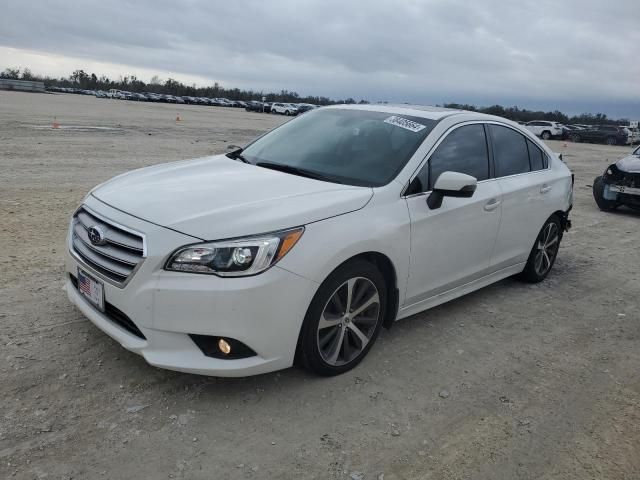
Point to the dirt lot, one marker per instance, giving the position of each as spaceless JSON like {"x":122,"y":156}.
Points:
{"x":514,"y":381}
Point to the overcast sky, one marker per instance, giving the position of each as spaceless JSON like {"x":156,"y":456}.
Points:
{"x":574,"y":55}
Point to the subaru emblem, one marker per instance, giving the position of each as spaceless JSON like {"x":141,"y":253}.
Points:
{"x":97,"y":235}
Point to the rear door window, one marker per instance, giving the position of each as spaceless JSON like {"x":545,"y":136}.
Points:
{"x":509,"y":151}
{"x":536,"y":156}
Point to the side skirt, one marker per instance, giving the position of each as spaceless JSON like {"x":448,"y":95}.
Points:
{"x":456,"y":292}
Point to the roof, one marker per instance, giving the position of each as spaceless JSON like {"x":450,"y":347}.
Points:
{"x":423,"y":111}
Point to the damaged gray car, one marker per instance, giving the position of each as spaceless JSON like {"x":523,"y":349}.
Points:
{"x":619,"y":184}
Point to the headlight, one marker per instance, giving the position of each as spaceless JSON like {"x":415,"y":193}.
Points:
{"x":235,"y":258}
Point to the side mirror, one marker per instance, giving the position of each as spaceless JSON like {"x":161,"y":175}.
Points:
{"x":451,"y":184}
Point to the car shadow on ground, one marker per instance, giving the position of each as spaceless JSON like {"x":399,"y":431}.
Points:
{"x":624,"y":210}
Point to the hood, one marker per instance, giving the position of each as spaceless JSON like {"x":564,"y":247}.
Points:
{"x":630,"y":164}
{"x":215,"y":197}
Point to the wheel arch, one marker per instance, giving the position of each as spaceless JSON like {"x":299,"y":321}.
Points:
{"x":564,"y":219}
{"x":388,"y":270}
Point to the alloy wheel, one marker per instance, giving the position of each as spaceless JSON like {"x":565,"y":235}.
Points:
{"x":547,"y":248}
{"x":348,"y":321}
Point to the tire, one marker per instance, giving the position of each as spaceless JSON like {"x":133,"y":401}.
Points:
{"x":287,"y":113}
{"x":330,"y":343}
{"x":544,"y":251}
{"x":546,"y":135}
{"x":576,"y":138}
{"x":612,"y":141}
{"x":598,"y":194}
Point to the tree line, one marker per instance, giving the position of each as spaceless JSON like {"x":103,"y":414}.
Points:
{"x":90,"y":81}
{"x":524,"y":115}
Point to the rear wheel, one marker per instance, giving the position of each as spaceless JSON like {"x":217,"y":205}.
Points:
{"x":544,"y":251}
{"x":546,"y":135}
{"x":344,"y":319}
{"x":576,"y":138}
{"x":598,"y":195}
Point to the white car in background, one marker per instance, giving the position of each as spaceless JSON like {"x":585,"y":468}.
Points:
{"x":284,"y":108}
{"x":544,"y":129}
{"x":304,"y":244}
{"x":633,"y":135}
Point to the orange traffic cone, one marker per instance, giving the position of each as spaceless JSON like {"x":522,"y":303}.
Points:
{"x":55,"y":123}
{"x":178,"y":118}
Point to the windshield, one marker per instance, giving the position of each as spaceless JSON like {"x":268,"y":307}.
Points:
{"x":354,"y":147}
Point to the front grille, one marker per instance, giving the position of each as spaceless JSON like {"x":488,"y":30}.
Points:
{"x":116,"y":316}
{"x":117,"y":257}
{"x":631,"y":180}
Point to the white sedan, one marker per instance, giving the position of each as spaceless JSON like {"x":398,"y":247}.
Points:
{"x":284,"y":108}
{"x":303,"y":245}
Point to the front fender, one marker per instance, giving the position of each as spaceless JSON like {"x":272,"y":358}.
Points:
{"x":379,"y":228}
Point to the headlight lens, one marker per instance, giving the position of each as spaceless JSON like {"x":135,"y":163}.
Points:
{"x":235,"y":258}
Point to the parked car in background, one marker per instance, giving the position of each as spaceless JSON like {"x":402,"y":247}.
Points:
{"x":633,"y":134}
{"x":284,"y":109}
{"x":544,"y":129}
{"x":307,"y":242}
{"x":609,"y":134}
{"x":619,"y":184}
{"x":305,"y":107}
{"x":254,"y":106}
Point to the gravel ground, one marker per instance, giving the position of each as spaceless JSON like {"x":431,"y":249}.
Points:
{"x":513,"y":381}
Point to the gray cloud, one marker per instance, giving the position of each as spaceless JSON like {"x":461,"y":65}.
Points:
{"x":540,"y":53}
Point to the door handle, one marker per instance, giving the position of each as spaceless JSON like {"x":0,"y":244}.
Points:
{"x":545,"y":188}
{"x":491,"y":205}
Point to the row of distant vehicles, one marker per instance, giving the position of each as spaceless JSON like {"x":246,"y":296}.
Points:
{"x":251,"y":105}
{"x":608,"y":134}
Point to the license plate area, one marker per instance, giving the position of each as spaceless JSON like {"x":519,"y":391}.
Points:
{"x":91,"y":289}
{"x":623,"y":189}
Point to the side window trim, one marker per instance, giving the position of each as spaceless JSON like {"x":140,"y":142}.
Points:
{"x":545,"y":158}
{"x":435,"y":146}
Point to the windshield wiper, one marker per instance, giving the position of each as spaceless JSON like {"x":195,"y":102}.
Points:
{"x":302,"y":172}
{"x":237,"y":155}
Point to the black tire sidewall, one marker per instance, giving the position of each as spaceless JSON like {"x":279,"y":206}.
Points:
{"x":529,"y":273}
{"x":308,"y":341}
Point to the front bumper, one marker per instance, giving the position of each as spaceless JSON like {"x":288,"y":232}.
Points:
{"x":265,"y":312}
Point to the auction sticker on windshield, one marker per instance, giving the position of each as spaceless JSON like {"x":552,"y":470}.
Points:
{"x":404,"y":123}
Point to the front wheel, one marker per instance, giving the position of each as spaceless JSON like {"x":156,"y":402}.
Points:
{"x":344,"y":319}
{"x":544,"y":251}
{"x":546,"y":135}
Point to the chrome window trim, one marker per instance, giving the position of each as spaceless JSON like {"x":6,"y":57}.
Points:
{"x":427,"y":157}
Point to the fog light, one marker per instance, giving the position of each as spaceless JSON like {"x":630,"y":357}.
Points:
{"x":224,"y":346}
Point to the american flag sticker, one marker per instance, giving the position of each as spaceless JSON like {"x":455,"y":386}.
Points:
{"x":91,"y":289}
